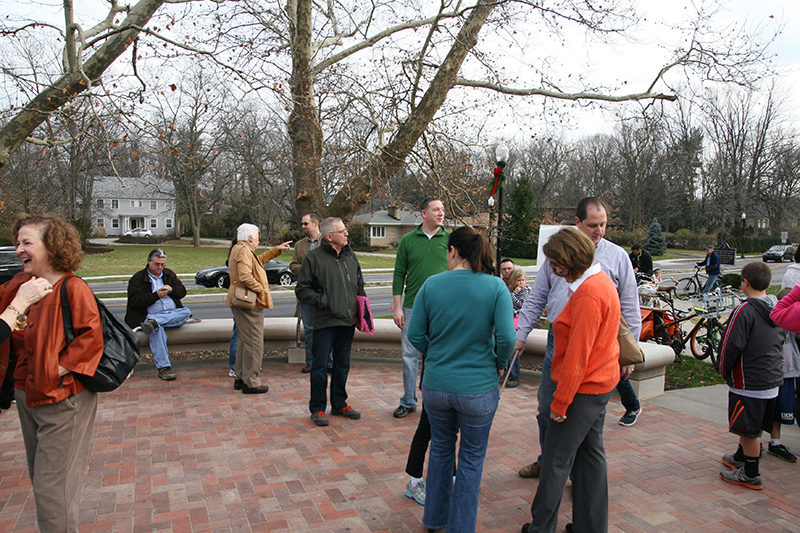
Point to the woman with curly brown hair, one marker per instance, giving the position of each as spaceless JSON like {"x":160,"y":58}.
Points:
{"x":56,"y":412}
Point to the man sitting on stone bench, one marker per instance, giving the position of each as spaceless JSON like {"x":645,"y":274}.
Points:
{"x":154,"y":303}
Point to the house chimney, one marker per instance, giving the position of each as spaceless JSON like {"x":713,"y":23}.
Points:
{"x":393,"y":212}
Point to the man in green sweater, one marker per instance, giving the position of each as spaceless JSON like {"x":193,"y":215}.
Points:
{"x":421,"y":254}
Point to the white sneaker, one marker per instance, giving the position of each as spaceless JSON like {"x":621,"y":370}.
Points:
{"x":231,"y":374}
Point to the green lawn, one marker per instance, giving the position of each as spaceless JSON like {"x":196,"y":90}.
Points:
{"x":125,"y":260}
{"x":691,"y":372}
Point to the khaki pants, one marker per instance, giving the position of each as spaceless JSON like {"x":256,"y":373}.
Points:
{"x":57,"y":438}
{"x":250,"y":349}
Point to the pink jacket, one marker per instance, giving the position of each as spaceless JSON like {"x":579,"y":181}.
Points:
{"x":786,"y":312}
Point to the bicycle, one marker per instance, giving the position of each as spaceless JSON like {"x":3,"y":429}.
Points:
{"x":704,"y":336}
{"x":691,"y":286}
{"x":707,"y":333}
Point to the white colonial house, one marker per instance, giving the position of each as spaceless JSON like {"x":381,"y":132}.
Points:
{"x":123,"y":204}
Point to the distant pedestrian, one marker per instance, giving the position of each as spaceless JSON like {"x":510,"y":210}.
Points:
{"x":641,"y":260}
{"x":712,"y":264}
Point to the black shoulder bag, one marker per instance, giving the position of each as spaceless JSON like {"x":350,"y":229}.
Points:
{"x":120,"y":347}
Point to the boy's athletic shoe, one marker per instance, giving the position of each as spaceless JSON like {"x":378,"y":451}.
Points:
{"x":319,"y":418}
{"x":782,"y":452}
{"x":417,"y":492}
{"x":630,"y":417}
{"x":347,"y":412}
{"x":738,"y":477}
{"x":732,"y":463}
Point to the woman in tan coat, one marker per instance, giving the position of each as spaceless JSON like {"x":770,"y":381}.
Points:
{"x":246,"y":269}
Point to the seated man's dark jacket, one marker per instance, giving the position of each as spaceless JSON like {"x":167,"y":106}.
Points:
{"x":141,"y":295}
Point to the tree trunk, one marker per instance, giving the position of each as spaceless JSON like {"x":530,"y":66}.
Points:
{"x":392,"y":159}
{"x":305,"y":130}
{"x":73,"y":83}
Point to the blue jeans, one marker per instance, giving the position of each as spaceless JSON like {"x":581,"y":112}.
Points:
{"x":307,"y":315}
{"x":513,"y":372}
{"x":710,"y":283}
{"x":546,"y":390}
{"x":455,"y":505}
{"x":627,"y":396}
{"x":410,"y":365}
{"x":340,"y":340}
{"x":174,"y":318}
{"x":232,"y":348}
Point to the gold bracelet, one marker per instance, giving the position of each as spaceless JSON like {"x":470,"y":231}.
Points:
{"x":21,"y":319}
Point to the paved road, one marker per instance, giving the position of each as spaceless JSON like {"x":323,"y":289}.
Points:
{"x":205,"y":306}
{"x":213,"y":305}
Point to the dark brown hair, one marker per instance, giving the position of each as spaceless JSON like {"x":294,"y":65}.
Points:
{"x":572,"y":249}
{"x":473,"y":247}
{"x":60,"y":239}
{"x":758,"y":275}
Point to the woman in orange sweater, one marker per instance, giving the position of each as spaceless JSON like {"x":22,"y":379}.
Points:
{"x":585,"y":370}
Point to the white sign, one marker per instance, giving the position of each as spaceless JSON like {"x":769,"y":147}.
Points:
{"x":545,"y":232}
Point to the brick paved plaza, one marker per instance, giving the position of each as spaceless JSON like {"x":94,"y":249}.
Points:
{"x":193,"y":455}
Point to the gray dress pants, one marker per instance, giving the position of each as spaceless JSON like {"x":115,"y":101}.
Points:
{"x":575,"y":445}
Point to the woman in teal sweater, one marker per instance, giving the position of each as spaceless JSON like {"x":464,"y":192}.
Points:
{"x":467,"y":341}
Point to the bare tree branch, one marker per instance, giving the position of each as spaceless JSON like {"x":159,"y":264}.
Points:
{"x":566,"y":96}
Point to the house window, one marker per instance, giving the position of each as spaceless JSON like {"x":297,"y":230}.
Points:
{"x":377,"y":232}
{"x":168,"y":223}
{"x":114,"y":204}
{"x":100,"y":203}
{"x":169,"y":204}
{"x":153,"y":205}
{"x":153,"y":223}
{"x":100,"y":223}
{"x":114,"y":221}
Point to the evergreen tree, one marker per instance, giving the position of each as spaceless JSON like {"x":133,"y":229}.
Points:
{"x":655,"y":243}
{"x":518,"y":240}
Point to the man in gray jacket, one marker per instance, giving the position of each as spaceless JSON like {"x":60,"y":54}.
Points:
{"x":330,"y":279}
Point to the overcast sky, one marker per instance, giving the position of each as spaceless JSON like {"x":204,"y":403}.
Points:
{"x":627,"y":67}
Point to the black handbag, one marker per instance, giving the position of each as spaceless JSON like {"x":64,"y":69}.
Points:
{"x":120,"y":347}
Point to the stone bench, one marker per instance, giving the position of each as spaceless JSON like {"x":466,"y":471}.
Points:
{"x":215,"y":334}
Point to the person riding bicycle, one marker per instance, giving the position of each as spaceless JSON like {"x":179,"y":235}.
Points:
{"x":711,"y":262}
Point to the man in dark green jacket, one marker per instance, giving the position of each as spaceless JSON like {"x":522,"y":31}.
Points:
{"x":329,"y":281}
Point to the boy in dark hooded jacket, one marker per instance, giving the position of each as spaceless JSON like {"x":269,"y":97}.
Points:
{"x":751,"y":361}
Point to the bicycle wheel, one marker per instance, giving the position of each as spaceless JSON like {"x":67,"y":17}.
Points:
{"x":701,"y":342}
{"x":717,"y":330}
{"x":686,"y":287}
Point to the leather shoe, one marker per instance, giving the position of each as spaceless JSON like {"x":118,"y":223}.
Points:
{"x":530,"y":471}
{"x":306,"y":369}
{"x":261,"y":389}
{"x":237,"y":384}
{"x":402,"y":411}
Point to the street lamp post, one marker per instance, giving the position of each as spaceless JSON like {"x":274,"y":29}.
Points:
{"x":501,"y":157}
{"x":744,"y":218}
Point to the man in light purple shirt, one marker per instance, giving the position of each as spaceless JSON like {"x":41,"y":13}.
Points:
{"x":551,"y":290}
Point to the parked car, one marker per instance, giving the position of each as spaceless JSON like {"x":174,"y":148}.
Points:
{"x":10,"y":265}
{"x":779,"y":252}
{"x":139,"y":232}
{"x":278,"y":273}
